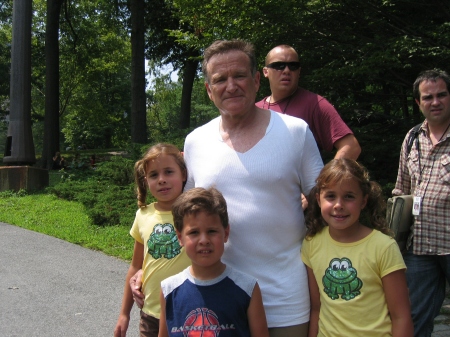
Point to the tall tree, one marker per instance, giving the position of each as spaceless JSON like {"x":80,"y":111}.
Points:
{"x":138,"y":98}
{"x":51,"y":123}
{"x":20,"y":148}
{"x":94,"y":73}
{"x":189,"y":71}
{"x":163,"y":47}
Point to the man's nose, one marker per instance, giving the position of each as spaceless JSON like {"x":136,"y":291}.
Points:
{"x":436,"y":100}
{"x":231,"y":84}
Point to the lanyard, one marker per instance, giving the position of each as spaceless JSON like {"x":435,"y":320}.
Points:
{"x":418,"y":153}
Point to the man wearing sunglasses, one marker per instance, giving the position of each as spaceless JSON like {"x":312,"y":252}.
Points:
{"x":330,"y":131}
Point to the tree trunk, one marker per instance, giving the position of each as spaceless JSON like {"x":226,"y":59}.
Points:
{"x":51,"y":122}
{"x":19,"y":141}
{"x":190,"y":69}
{"x":138,"y":104}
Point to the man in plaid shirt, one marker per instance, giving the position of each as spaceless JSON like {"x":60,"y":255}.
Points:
{"x":425,"y":173}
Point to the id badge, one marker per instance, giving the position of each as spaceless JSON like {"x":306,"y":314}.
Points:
{"x":416,"y":205}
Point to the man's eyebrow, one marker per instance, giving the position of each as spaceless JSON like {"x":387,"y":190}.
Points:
{"x":442,"y":93}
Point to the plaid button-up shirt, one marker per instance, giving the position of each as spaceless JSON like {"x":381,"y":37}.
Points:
{"x":427,"y":176}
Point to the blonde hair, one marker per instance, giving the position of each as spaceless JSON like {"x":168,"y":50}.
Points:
{"x":141,"y":165}
{"x":339,"y":170}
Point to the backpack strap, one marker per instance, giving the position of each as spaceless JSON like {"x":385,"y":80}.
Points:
{"x":412,"y":136}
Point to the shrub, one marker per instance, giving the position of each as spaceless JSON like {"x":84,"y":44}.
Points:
{"x":118,"y":171}
{"x":107,"y":192}
{"x":115,"y":205}
{"x":12,"y":193}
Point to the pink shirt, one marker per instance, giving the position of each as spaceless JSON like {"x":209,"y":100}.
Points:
{"x":322,"y":118}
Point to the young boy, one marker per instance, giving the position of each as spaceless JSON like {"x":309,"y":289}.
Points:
{"x":208,"y":298}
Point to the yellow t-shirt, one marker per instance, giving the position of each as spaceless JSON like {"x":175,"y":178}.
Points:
{"x":163,"y":255}
{"x":349,"y":279}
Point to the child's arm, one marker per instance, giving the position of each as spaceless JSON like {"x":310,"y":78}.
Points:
{"x":314,"y":296}
{"x":397,"y":298}
{"x":127,"y":299}
{"x":256,"y":315}
{"x":162,"y":317}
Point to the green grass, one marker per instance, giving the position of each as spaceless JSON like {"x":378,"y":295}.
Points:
{"x":66,"y":220}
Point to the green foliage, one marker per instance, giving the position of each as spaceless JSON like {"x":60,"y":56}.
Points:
{"x":135,"y":151}
{"x":362,"y":56}
{"x":107,"y":192}
{"x":113,"y":206}
{"x":13,"y":194}
{"x":118,"y":171}
{"x":164,"y":106}
{"x":95,"y":74}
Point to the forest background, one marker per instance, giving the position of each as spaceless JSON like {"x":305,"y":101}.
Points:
{"x":363,"y":56}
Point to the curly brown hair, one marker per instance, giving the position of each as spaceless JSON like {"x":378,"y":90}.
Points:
{"x":336,"y":171}
{"x":141,"y":165}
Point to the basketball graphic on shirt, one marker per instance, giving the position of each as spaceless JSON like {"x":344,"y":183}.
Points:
{"x":201,"y":322}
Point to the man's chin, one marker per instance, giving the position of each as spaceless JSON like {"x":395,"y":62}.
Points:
{"x":287,"y":89}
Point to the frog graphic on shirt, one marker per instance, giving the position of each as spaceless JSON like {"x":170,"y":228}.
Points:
{"x":341,"y":279}
{"x":163,"y":242}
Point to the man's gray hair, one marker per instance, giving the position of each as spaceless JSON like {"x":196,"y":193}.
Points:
{"x":224,"y":46}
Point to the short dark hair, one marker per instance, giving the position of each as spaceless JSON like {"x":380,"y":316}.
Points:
{"x":430,"y":75}
{"x":224,"y":46}
{"x":196,"y":200}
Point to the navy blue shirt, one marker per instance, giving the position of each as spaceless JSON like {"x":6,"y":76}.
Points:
{"x":213,"y":306}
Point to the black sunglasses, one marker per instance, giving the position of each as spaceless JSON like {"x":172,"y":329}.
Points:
{"x":282,"y":65}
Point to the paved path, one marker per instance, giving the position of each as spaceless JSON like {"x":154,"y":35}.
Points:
{"x":52,"y":288}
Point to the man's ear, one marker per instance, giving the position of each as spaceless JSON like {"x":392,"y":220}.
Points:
{"x":208,"y":90}
{"x":418,"y":102}
{"x":266,"y":72}
{"x":257,"y":80}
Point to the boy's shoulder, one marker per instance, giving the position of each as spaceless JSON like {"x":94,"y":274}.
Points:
{"x":244,"y":281}
{"x":171,"y":283}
